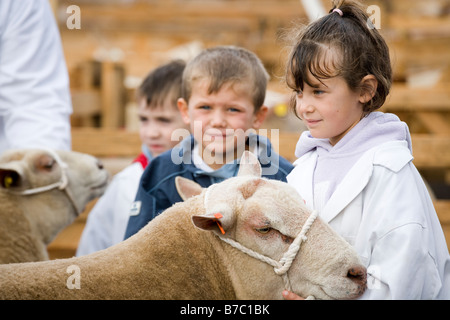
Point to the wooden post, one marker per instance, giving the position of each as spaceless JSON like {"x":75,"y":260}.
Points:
{"x":112,"y":95}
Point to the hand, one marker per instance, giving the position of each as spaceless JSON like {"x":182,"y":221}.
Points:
{"x":287,"y":295}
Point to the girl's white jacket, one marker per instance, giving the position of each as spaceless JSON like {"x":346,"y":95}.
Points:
{"x":382,"y":207}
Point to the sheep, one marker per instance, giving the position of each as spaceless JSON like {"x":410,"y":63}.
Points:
{"x":41,"y":192}
{"x":188,"y":251}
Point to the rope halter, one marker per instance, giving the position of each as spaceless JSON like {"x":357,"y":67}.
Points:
{"x":281,"y":267}
{"x":61,"y":184}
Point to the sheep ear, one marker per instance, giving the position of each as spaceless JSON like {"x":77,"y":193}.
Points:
{"x":187,"y":188}
{"x":249,"y":165}
{"x":209,"y":223}
{"x":249,"y":188}
{"x":10,"y":178}
{"x":219,"y":218}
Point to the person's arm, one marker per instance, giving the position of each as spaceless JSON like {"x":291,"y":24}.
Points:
{"x":35,"y":99}
{"x":107,"y":220}
{"x":151,"y":198}
{"x":96,"y":234}
{"x":143,"y":209}
{"x":397,"y":235}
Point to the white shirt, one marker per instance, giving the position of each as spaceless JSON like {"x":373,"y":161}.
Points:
{"x":35,"y":103}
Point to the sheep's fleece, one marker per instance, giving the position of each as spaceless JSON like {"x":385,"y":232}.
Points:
{"x":170,"y":258}
{"x":41,"y":192}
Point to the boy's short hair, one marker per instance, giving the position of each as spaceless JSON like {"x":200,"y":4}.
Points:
{"x":162,"y":83}
{"x":223,"y":65}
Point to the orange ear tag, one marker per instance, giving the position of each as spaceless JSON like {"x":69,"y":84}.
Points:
{"x":218,"y":216}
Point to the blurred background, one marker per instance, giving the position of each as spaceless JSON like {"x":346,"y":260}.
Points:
{"x":119,"y":41}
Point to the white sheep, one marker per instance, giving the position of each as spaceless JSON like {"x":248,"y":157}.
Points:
{"x":171,"y":259}
{"x":41,"y":192}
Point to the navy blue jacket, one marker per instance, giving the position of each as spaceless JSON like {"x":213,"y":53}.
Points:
{"x":157,"y":191}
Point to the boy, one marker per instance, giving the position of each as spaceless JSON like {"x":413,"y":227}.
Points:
{"x":158,"y":117}
{"x":223,"y":92}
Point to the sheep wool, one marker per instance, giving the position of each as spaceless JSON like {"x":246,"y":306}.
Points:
{"x":179,"y":255}
{"x":41,"y":192}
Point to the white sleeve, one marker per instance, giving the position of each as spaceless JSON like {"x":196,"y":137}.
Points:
{"x":407,"y":248}
{"x":401,"y":266}
{"x":35,"y":104}
{"x":107,"y":221}
{"x":99,"y":225}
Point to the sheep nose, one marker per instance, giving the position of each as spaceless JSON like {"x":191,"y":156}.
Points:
{"x":358,"y":275}
{"x":99,"y":164}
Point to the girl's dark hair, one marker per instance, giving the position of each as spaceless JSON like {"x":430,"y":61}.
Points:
{"x":357,"y":49}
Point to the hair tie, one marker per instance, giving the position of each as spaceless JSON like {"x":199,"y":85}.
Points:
{"x":338,"y":11}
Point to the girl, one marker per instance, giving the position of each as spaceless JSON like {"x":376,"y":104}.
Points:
{"x":355,"y":165}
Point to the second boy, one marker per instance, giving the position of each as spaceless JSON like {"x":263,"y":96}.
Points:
{"x":223,"y":92}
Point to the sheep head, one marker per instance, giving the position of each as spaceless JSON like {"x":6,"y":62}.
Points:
{"x":266,"y":216}
{"x":50,"y":187}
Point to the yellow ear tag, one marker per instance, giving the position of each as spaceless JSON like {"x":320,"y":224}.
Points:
{"x":8,"y":181}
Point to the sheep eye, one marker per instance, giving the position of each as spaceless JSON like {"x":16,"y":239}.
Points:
{"x":264,"y":230}
{"x":49,"y":164}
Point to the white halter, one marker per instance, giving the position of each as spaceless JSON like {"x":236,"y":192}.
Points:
{"x":281,"y":267}
{"x":61,"y":184}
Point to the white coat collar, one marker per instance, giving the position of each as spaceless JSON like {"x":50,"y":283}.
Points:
{"x":302,"y":178}
{"x":355,"y":180}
